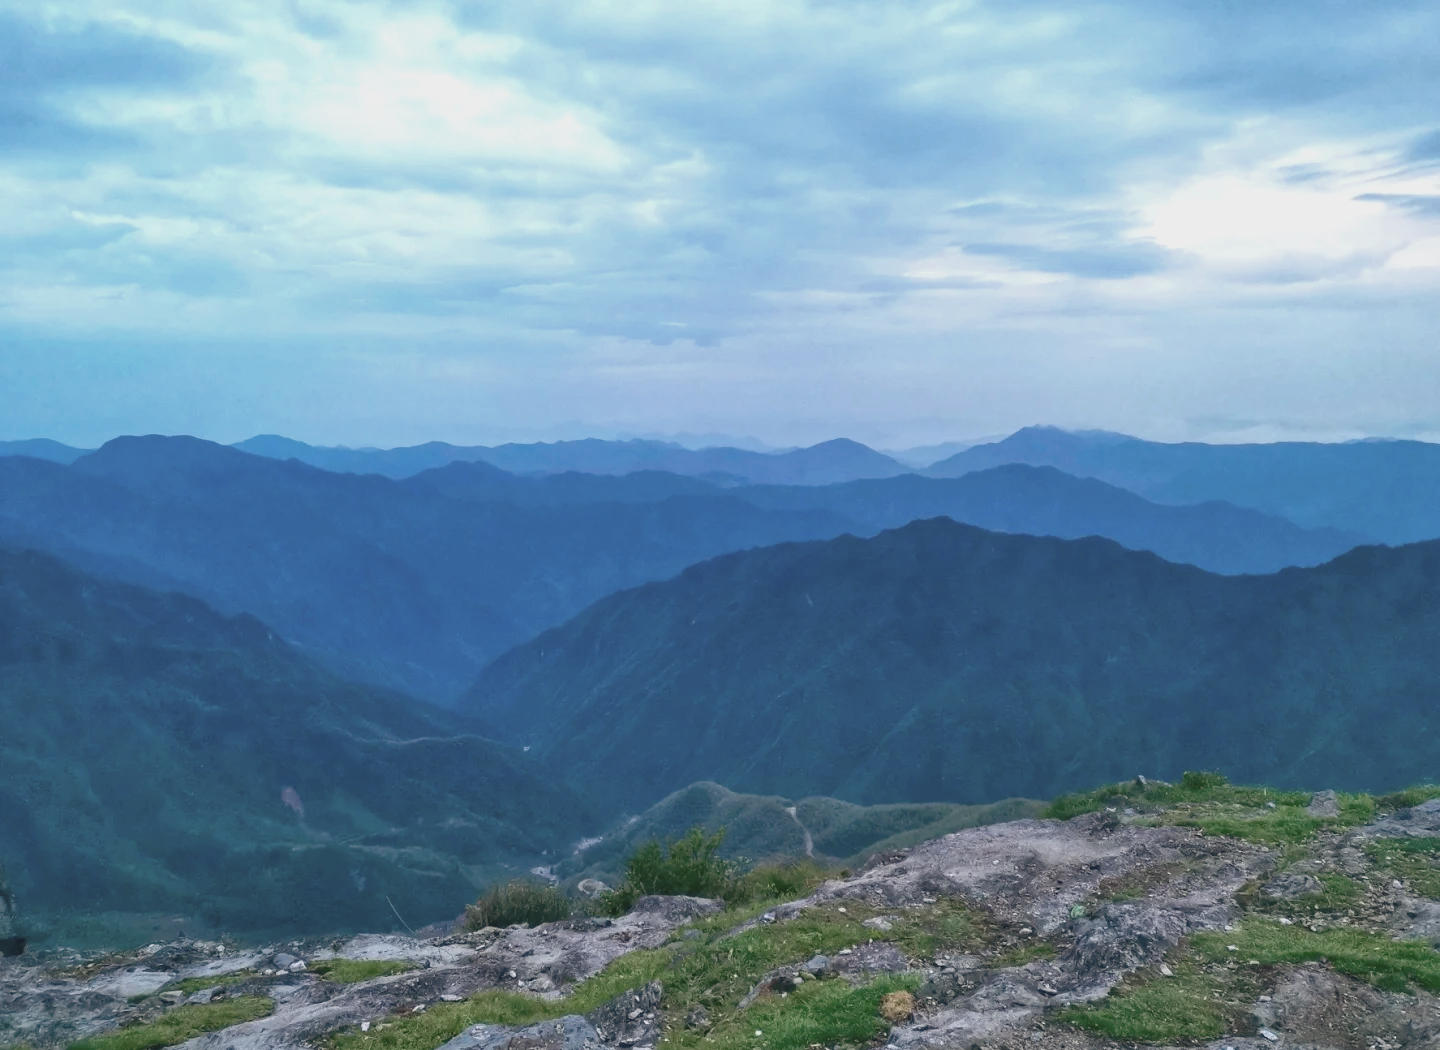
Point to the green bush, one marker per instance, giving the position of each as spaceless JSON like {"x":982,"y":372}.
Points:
{"x":1192,"y":780}
{"x":686,"y":866}
{"x":789,"y":880}
{"x":518,"y":900}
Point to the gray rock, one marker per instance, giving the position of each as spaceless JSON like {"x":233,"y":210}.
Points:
{"x":12,"y":942}
{"x":697,"y":1018}
{"x":283,"y":961}
{"x":674,"y":910}
{"x":883,"y":923}
{"x":568,"y":1033}
{"x":630,"y":1019}
{"x":1422,"y":821}
{"x":818,"y":965}
{"x":1324,"y":804}
{"x":1289,"y":886}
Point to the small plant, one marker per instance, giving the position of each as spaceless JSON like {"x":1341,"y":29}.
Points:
{"x":786,"y":881}
{"x":1197,"y":781}
{"x":350,"y":971}
{"x":687,"y":866}
{"x":518,"y":901}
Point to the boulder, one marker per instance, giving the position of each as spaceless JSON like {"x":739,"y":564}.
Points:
{"x":631,"y":1018}
{"x":12,"y":942}
{"x":1289,"y":886}
{"x":1324,"y":804}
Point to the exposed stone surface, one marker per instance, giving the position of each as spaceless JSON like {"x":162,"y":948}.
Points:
{"x":630,"y":1019}
{"x":566,"y":1033}
{"x":47,"y":1008}
{"x":1104,"y":894}
{"x":1324,"y":804}
{"x":1291,"y":885}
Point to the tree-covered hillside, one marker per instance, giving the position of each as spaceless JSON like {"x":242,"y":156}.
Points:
{"x":943,"y":662}
{"x":157,"y":756}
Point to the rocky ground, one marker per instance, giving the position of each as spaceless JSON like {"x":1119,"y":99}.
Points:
{"x":1064,"y":914}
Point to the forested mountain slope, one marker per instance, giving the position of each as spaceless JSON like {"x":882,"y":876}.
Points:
{"x":943,"y":662}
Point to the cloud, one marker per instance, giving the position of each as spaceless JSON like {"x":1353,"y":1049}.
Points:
{"x":695,"y":183}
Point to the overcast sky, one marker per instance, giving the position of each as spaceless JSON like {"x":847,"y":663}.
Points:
{"x":383,"y":223}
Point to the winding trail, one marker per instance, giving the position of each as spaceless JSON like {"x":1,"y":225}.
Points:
{"x":809,"y":842}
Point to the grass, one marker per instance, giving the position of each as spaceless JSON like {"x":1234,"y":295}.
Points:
{"x":349,"y":971}
{"x":715,"y":971}
{"x":1025,"y":954}
{"x":518,"y":901}
{"x":823,"y":1013}
{"x":1193,"y":1004}
{"x":1372,"y":957}
{"x":1214,"y":987}
{"x":1211,"y":803}
{"x":180,"y":1024}
{"x":1411,"y":796}
{"x":1414,"y":861}
{"x":1337,"y":892}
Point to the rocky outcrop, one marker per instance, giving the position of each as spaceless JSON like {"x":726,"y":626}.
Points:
{"x":1070,"y":909}
{"x":12,"y":941}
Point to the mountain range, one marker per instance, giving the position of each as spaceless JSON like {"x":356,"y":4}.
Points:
{"x":827,"y":462}
{"x":1387,"y":490}
{"x":387,"y":582}
{"x":415,"y":584}
{"x":943,"y":662}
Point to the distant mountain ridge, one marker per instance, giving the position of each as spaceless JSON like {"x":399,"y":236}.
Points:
{"x":43,"y":448}
{"x":157,"y":756}
{"x":1043,"y":501}
{"x":388,"y":582}
{"x":825,"y":463}
{"x":943,"y":662}
{"x":417,"y":583}
{"x":1388,"y":490}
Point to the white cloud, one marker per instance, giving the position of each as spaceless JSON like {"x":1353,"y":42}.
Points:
{"x":906,"y":197}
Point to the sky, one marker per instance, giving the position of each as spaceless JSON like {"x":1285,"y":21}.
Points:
{"x":374,"y":223}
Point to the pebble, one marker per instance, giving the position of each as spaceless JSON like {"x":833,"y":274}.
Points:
{"x":1269,"y":1035}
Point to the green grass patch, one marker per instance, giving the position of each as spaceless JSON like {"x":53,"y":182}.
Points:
{"x":1411,"y":796}
{"x":1416,"y":862}
{"x":714,"y":971}
{"x":1214,"y":988}
{"x":1392,"y":965}
{"x":1026,"y":953}
{"x":180,"y":1024}
{"x":827,"y":1013}
{"x":1211,"y":803}
{"x":1337,"y":892}
{"x":349,"y":971}
{"x":1196,"y":1003}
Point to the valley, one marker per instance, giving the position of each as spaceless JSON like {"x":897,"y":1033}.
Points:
{"x":251,"y":699}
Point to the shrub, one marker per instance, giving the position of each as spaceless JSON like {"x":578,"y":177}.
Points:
{"x":1200,"y":781}
{"x":518,"y":900}
{"x":788,"y":880}
{"x":686,"y":866}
